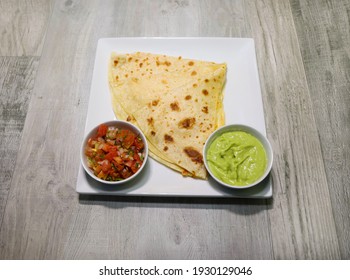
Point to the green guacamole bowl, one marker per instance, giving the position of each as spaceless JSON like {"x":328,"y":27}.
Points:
{"x":238,"y":156}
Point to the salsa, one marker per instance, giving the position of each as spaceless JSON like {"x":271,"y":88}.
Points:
{"x":114,"y":154}
{"x":237,"y":158}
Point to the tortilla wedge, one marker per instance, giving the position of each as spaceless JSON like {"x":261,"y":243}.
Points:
{"x":176,"y":102}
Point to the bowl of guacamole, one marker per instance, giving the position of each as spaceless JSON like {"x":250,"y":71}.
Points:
{"x":238,"y":156}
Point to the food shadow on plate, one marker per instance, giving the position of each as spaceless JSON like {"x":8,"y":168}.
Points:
{"x":124,"y":188}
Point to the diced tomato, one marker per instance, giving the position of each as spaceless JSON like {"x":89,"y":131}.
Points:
{"x":135,"y":166}
{"x":102,"y":130}
{"x":118,"y":160}
{"x":119,"y":167}
{"x":97,"y":169}
{"x":113,"y":149}
{"x":122,"y":134}
{"x":106,"y":166}
{"x":137,"y":157}
{"x":115,"y":176}
{"x":102,"y":175}
{"x":138,"y":144}
{"x":126,"y":173}
{"x":105,"y":148}
{"x":111,"y":155}
{"x":128,"y":163}
{"x":129,"y":140}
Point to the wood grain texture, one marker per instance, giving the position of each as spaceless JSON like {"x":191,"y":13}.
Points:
{"x":17,"y":76}
{"x":301,"y":217}
{"x":324,"y":35}
{"x":48,"y":220}
{"x":23,"y":26}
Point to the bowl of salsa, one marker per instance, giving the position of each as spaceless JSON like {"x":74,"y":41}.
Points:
{"x":238,"y":156}
{"x":114,"y":152}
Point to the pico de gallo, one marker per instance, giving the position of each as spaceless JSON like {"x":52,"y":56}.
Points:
{"x":114,"y":154}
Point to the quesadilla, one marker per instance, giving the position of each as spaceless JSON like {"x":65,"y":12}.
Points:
{"x":176,"y":102}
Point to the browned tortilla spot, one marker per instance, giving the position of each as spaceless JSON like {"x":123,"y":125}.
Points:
{"x":175,"y":106}
{"x":206,"y":80}
{"x":193,"y":154}
{"x":190,"y":63}
{"x":195,"y":85}
{"x":187,"y":123}
{"x":116,"y":62}
{"x":150,"y":121}
{"x":188,"y":97}
{"x":186,"y":173}
{"x":153,"y":133}
{"x":167,"y":63}
{"x":129,"y":59}
{"x":168,"y":138}
{"x":193,"y":73}
{"x":205,"y":92}
{"x":155,"y":102}
{"x":140,"y":64}
{"x":165,"y":148}
{"x":205,"y":109}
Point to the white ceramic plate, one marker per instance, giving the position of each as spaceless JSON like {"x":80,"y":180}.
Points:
{"x":242,"y":104}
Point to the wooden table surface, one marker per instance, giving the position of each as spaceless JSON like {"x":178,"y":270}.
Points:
{"x":47,"y":51}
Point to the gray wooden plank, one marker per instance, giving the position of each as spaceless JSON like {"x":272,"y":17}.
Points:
{"x":17,"y":76}
{"x":324,"y":34}
{"x":23,"y":26}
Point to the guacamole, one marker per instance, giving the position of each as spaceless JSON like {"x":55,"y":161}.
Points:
{"x":237,"y":158}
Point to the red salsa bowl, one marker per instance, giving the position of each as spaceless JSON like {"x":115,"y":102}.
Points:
{"x":114,"y":152}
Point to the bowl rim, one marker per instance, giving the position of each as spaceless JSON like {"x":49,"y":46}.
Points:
{"x":111,"y":123}
{"x":248,"y":129}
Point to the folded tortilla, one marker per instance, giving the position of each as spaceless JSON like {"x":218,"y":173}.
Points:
{"x":176,"y":102}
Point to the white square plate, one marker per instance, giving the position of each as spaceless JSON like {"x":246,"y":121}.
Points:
{"x":242,"y":104}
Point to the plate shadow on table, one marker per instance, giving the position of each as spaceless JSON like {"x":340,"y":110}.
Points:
{"x":121,"y":199}
{"x":230,"y":204}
